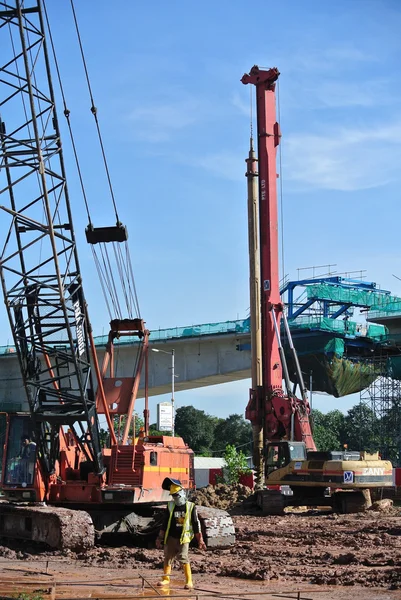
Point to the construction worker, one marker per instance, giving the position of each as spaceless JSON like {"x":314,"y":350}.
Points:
{"x":180,"y":526}
{"x":27,"y":460}
{"x":141,"y":438}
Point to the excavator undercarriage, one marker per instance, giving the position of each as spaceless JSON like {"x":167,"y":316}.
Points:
{"x":344,"y":481}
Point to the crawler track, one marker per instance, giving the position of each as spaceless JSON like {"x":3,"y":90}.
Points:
{"x":217,"y":527}
{"x":59,"y":528}
{"x":66,"y":529}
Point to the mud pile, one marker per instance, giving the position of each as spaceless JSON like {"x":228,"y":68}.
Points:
{"x":221,"y":496}
{"x":353,"y":550}
{"x":386,"y":506}
{"x":311,"y":548}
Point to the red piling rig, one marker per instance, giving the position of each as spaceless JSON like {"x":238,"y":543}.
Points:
{"x":283,"y":416}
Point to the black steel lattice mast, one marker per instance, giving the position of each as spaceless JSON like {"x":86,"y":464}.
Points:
{"x":39,"y":266}
{"x":383,"y":398}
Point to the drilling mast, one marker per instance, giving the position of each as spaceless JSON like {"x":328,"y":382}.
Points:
{"x":274,"y":414}
{"x":254,"y":293}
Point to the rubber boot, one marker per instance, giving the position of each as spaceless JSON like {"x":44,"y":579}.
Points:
{"x":188,"y":576}
{"x":165,"y":580}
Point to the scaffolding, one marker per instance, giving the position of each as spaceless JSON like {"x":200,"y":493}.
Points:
{"x":383,"y":398}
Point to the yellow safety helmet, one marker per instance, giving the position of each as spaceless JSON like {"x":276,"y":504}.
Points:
{"x":175,"y":488}
{"x":171,"y":485}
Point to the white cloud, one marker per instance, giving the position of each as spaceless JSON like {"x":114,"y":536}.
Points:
{"x":349,"y":53}
{"x":335,"y":77}
{"x":226,"y":165}
{"x":334,"y":60}
{"x":238,"y":101}
{"x":345,"y":159}
{"x":159,"y":122}
{"x":335,"y":93}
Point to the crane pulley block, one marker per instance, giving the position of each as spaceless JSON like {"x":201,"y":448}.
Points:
{"x":120,"y":327}
{"x":115,"y":233}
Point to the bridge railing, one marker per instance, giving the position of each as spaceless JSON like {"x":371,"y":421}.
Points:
{"x":191,"y":331}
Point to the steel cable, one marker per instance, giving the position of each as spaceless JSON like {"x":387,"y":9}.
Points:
{"x":107,"y":280}
{"x":102,"y":262}
{"x":94,"y":111}
{"x":100,"y":275}
{"x":67,"y":113}
{"x":129,"y":263}
{"x":120,"y":269}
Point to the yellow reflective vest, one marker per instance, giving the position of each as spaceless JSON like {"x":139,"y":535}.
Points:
{"x":187,"y":530}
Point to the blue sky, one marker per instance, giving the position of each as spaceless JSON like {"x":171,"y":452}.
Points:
{"x":175,"y":121}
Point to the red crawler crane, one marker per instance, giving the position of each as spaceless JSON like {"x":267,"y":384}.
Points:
{"x":61,"y":484}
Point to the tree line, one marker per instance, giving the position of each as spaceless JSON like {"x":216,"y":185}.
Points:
{"x":205,"y":435}
{"x":359,"y":429}
{"x":209,"y":436}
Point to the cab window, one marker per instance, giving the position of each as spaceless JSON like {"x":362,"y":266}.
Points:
{"x":20,"y":453}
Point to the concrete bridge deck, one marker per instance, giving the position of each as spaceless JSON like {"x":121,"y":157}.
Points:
{"x":204,"y":355}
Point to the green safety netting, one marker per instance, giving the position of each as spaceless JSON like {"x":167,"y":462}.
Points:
{"x":156,"y":335}
{"x":243,"y":326}
{"x":394,"y":367}
{"x":377,"y":332}
{"x":349,"y":376}
{"x":375,"y":300}
{"x":333,"y":373}
{"x":322,"y":354}
{"x":344,"y":327}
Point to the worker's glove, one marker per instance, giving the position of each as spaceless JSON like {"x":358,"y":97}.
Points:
{"x":159,"y":543}
{"x":201,"y":545}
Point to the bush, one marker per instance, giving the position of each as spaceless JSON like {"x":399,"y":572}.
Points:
{"x":236,"y":465}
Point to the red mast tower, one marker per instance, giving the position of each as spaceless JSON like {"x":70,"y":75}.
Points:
{"x":279,"y":414}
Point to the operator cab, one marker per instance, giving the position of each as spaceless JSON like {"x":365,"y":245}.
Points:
{"x":20,"y":450}
{"x":280,"y":454}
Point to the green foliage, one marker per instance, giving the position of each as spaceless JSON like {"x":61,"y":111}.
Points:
{"x":119,"y":425}
{"x":390,"y":422}
{"x":195,"y":427}
{"x":329,"y":430}
{"x":233,"y":430}
{"x":361,"y":425}
{"x":154,"y":431}
{"x":325,"y":440}
{"x":357,"y":429}
{"x":104,"y":438}
{"x":236,"y":464}
{"x":28,"y":596}
{"x":209,"y":436}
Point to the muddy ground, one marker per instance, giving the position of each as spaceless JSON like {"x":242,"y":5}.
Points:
{"x":339,"y":556}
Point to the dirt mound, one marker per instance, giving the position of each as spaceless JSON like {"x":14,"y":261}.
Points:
{"x":221,"y":496}
{"x":385,"y":505}
{"x":323,"y":549}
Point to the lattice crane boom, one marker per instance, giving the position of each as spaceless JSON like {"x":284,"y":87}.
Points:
{"x":39,"y":266}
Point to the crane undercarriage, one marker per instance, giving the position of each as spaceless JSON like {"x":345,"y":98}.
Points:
{"x":78,"y":530}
